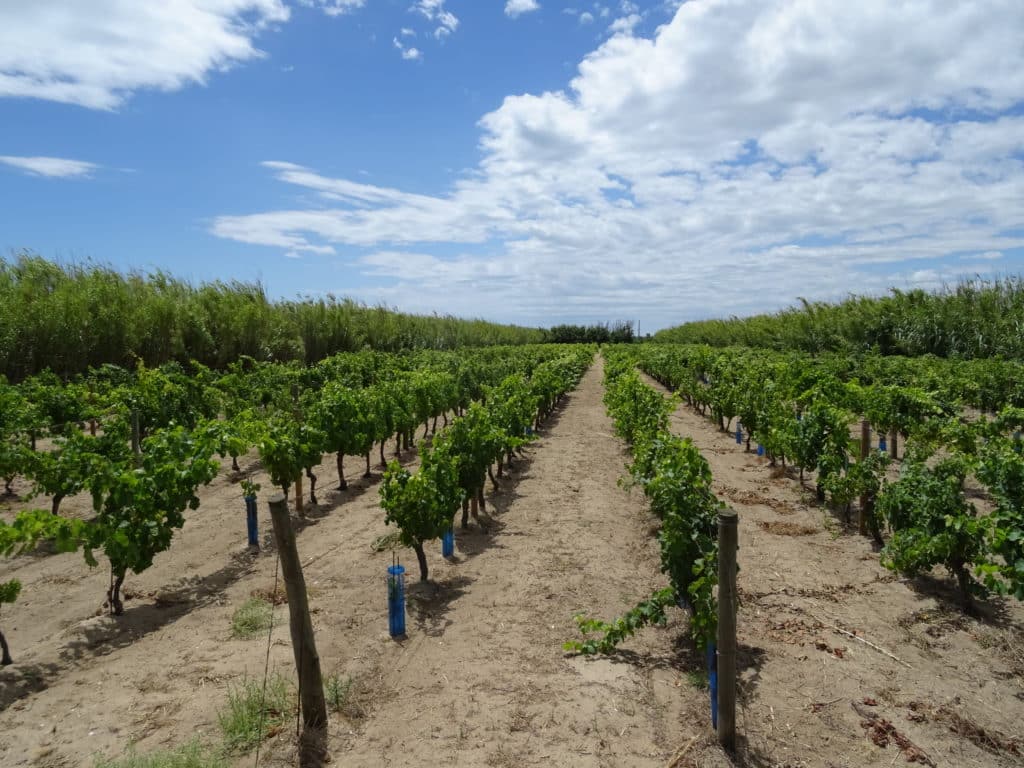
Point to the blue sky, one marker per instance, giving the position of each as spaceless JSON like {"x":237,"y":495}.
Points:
{"x":521,"y":160}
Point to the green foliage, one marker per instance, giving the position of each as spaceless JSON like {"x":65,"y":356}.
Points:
{"x":139,"y":509}
{"x":619,"y":332}
{"x":9,"y":591}
{"x":287,"y":447}
{"x":933,"y":524}
{"x":69,"y":317}
{"x":973,"y":319}
{"x":637,"y":410}
{"x":1001,"y":469}
{"x":66,"y":469}
{"x":422,"y":504}
{"x":649,"y":612}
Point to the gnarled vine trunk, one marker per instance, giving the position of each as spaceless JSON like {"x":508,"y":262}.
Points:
{"x":5,"y":652}
{"x":422,"y":557}
{"x":342,"y":483}
{"x":114,"y":595}
{"x":312,"y":485}
{"x":367,"y":472}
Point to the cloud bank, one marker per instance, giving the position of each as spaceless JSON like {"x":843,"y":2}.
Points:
{"x":745,"y":153}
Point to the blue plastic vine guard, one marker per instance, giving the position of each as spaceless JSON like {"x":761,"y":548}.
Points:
{"x":881,"y":445}
{"x":760,"y":450}
{"x":250,"y":521}
{"x":448,"y":543}
{"x":396,"y":600}
{"x":739,"y":433}
{"x":712,"y":654}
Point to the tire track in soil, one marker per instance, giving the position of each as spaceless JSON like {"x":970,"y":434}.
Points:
{"x":799,"y":676}
{"x":481,"y":679}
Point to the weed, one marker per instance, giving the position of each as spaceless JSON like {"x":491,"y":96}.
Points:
{"x":194,"y":754}
{"x":252,"y":716}
{"x":254,"y":617}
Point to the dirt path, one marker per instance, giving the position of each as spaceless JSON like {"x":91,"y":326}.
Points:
{"x":481,"y":679}
{"x":803,"y":577}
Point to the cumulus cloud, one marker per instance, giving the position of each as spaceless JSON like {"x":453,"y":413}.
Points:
{"x":335,"y":7}
{"x":625,"y":24}
{"x":408,"y":53}
{"x":745,"y":153}
{"x":51,"y":167}
{"x":96,"y":54}
{"x":434,"y":10}
{"x":515,"y":8}
{"x":586,"y":18}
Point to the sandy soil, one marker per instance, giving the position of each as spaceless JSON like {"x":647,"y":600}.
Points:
{"x":481,"y":679}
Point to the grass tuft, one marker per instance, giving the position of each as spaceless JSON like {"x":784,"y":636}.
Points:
{"x":337,"y":690}
{"x":250,"y":718}
{"x":194,"y":754}
{"x":254,"y":617}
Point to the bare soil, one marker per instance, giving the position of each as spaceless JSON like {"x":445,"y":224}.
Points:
{"x":481,"y":679}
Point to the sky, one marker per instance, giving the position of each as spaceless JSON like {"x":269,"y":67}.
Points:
{"x":526,"y":161}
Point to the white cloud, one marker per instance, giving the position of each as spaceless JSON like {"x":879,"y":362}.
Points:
{"x":335,"y":7}
{"x":96,"y":54}
{"x":51,"y":167}
{"x":434,"y":10}
{"x":586,"y":18}
{"x":746,"y":153}
{"x":625,"y":24}
{"x":406,"y":32}
{"x":410,"y":53}
{"x":515,"y":8}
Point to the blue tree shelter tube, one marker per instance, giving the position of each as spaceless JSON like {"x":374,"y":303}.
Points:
{"x":396,"y":600}
{"x":713,"y":682}
{"x":250,"y":520}
{"x":448,"y":543}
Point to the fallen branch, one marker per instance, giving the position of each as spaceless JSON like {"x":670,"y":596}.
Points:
{"x":681,"y":753}
{"x":872,"y":645}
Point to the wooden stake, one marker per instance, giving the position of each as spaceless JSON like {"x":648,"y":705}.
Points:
{"x":727,"y":544}
{"x":307,"y":660}
{"x":299,"y":509}
{"x":865,"y":450}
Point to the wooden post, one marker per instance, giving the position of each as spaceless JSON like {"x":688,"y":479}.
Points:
{"x":865,"y":450}
{"x":307,"y":661}
{"x":727,"y":542}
